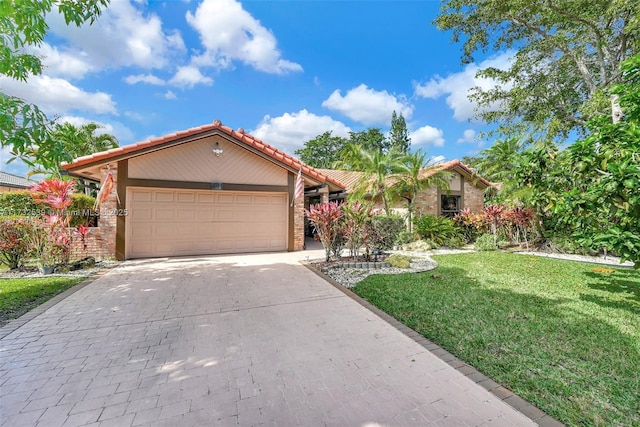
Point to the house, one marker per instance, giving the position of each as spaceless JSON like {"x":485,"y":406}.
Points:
{"x":466,"y":189}
{"x":205,"y":190}
{"x":9,"y":182}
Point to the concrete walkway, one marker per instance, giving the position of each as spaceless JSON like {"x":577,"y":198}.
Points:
{"x":237,"y":340}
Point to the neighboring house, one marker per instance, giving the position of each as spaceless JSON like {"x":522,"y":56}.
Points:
{"x":206,"y":190}
{"x":9,"y":182}
{"x":466,"y":189}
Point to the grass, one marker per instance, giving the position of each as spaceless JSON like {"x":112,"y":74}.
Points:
{"x":18,"y":296}
{"x":563,"y":335}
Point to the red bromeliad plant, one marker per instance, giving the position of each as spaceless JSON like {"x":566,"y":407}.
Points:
{"x":51,"y":241}
{"x":522,"y":218}
{"x":355,"y":226}
{"x":83,"y":232}
{"x":326,"y":219}
{"x":493,"y":214}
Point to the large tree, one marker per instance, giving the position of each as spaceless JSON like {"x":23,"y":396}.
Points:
{"x":567,"y":57}
{"x":370,"y":139}
{"x":23,"y":126}
{"x":399,"y":139}
{"x":322,"y":151}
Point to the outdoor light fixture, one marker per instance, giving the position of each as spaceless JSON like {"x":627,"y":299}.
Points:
{"x":217,"y":151}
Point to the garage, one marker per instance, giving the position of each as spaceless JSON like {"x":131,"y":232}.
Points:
{"x":166,"y":222}
{"x":203,"y":191}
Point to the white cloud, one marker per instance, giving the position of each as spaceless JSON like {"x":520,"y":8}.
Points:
{"x":457,"y":86}
{"x":368,"y":106}
{"x":169,"y":95}
{"x":188,"y":76}
{"x":427,"y":135}
{"x":291,"y":130}
{"x":144,"y":78}
{"x":229,"y":33}
{"x":468,"y":136}
{"x":64,"y":63}
{"x":58,"y":96}
{"x":121,"y":36}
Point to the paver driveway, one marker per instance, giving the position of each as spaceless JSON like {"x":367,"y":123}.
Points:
{"x":243,"y":340}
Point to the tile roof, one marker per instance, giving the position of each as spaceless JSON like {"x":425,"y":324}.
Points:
{"x":348,"y":178}
{"x":9,"y":180}
{"x":239,"y":135}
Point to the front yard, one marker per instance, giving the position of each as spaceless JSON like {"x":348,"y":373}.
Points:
{"x":563,"y":335}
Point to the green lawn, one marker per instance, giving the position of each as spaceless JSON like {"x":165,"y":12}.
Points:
{"x":563,"y":335}
{"x":17,"y":296}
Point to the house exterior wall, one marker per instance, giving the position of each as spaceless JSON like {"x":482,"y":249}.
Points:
{"x":6,"y":189}
{"x":427,"y":202}
{"x":473,"y":197}
{"x":109,"y":211}
{"x":97,"y":244}
{"x":196,"y":162}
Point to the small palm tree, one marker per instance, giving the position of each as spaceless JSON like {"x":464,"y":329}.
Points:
{"x":417,"y":172}
{"x":376,"y":166}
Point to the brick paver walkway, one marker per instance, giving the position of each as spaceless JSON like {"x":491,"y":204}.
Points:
{"x":223,"y":341}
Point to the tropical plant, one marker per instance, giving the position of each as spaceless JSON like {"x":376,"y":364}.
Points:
{"x":386,"y":230}
{"x":493,"y":215}
{"x":471,"y":223}
{"x":486,"y":242}
{"x":15,"y":235}
{"x":438,"y":229}
{"x":355,"y":226}
{"x":326,"y":219}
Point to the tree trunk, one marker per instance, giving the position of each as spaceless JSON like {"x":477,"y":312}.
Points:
{"x":616,"y":110}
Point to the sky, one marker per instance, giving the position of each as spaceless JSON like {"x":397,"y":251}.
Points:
{"x":284,"y":71}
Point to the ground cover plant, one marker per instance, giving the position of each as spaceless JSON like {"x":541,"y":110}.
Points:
{"x":563,"y":335}
{"x":18,"y":296}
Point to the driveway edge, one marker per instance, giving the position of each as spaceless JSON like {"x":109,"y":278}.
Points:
{"x":35,"y":312}
{"x":530,"y":411}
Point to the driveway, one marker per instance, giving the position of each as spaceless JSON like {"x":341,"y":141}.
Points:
{"x":225,"y":341}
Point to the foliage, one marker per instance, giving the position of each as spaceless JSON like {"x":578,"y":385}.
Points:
{"x":493,"y":215}
{"x":18,"y":203}
{"x":405,"y":237}
{"x":568,"y":55}
{"x":386,"y":230}
{"x":81,"y":210}
{"x":562,"y":335}
{"x":522,"y":220}
{"x":326,"y":218}
{"x":83,"y":232}
{"x":497,"y":162}
{"x":14,"y":241}
{"x":23,"y":126}
{"x":356,"y":226}
{"x":472,"y":224}
{"x":399,"y":261}
{"x":438,"y":229}
{"x":486,"y":242}
{"x":322,"y":151}
{"x":18,"y":296}
{"x":371,"y":139}
{"x":399,"y":139}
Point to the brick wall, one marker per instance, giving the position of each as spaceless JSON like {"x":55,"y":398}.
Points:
{"x":426,"y":202}
{"x":298,"y":224}
{"x":473,"y":197}
{"x":97,"y":245}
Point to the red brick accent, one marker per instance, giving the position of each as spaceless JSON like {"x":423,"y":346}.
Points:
{"x":96,"y":245}
{"x":427,"y":202}
{"x":473,"y":197}
{"x":298,"y":224}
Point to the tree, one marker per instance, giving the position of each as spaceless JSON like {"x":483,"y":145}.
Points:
{"x":377,"y":167}
{"x":568,"y":56}
{"x":370,"y":139}
{"x":414,"y":176}
{"x":322,"y":151}
{"x":23,"y":126}
{"x":497,"y":162}
{"x":399,"y":136}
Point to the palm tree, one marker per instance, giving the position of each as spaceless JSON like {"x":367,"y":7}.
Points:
{"x":416,"y":173}
{"x":376,"y":166}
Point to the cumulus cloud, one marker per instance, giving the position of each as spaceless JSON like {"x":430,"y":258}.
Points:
{"x":368,"y":106}
{"x":144,"y":78}
{"x":122,"y":36}
{"x":57,"y":96}
{"x":169,"y":95}
{"x":468,"y":137}
{"x":188,"y":76}
{"x":427,"y":135}
{"x":61,"y":63}
{"x":229,"y":33}
{"x":456,"y":86}
{"x":291,"y":130}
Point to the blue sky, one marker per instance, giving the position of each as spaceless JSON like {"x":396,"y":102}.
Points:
{"x":284,"y":71}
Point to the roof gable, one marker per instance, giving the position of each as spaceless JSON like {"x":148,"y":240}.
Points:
{"x":237,"y":136}
{"x":10,"y":180}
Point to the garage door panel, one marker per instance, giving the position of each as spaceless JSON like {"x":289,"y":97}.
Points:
{"x":165,"y":222}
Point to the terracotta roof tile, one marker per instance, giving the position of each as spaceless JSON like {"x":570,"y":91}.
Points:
{"x":242,"y":137}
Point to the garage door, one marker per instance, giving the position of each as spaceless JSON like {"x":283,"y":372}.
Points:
{"x":167,"y":222}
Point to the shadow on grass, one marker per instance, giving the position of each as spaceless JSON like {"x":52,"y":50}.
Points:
{"x":621,"y":288}
{"x":572,"y":363}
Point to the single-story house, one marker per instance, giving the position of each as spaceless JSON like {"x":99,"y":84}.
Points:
{"x":205,"y":190}
{"x":466,"y":190}
{"x":10,"y":182}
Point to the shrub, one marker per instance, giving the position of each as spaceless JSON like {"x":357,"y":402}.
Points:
{"x":326,"y":218}
{"x":81,"y":210}
{"x":471,"y":224}
{"x":399,"y":261}
{"x":355,"y":226}
{"x":437,"y":229}
{"x":405,"y":237}
{"x":485,"y":243}
{"x":454,"y":242}
{"x":386,"y":230}
{"x":14,"y":241}
{"x":18,"y":204}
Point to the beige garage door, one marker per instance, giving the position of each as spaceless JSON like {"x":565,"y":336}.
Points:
{"x":167,"y":222}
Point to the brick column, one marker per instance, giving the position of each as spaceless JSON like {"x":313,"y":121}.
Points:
{"x":108,"y":214}
{"x":298,"y":224}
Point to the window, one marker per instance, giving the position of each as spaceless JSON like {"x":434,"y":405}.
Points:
{"x":450,"y":205}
